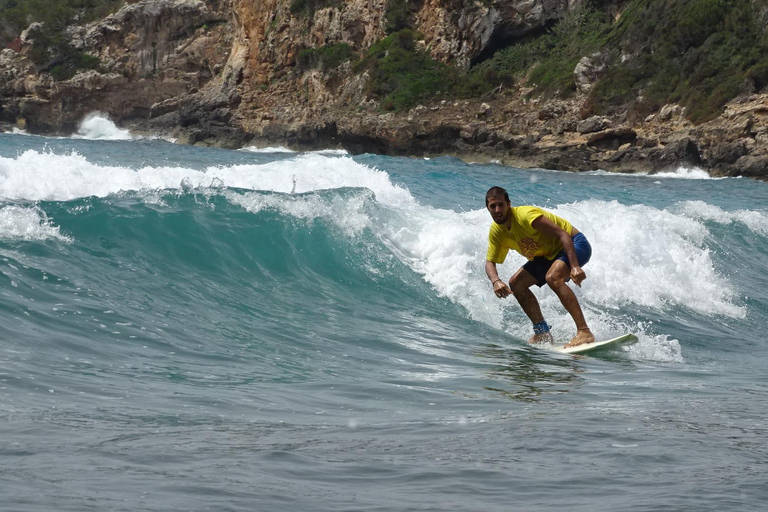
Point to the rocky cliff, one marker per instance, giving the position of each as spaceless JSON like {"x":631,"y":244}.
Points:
{"x":229,"y":73}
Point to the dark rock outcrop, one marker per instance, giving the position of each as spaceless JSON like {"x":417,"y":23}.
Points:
{"x":151,"y":52}
{"x":749,"y":165}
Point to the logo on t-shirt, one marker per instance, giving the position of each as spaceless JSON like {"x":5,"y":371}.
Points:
{"x":528,"y":247}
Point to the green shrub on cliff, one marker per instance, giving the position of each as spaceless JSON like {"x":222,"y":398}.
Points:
{"x":53,"y":54}
{"x":397,"y":16}
{"x":326,"y":58}
{"x":73,"y":62}
{"x":51,"y":50}
{"x":401,"y":76}
{"x":698,"y":53}
{"x":308,"y":7}
{"x":550,"y":58}
{"x":17,"y":15}
{"x":579,"y":33}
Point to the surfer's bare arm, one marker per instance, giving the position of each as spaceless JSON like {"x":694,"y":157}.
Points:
{"x":545,"y":225}
{"x":500,"y":288}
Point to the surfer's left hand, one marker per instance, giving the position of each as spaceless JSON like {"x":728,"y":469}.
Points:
{"x":578,"y":275}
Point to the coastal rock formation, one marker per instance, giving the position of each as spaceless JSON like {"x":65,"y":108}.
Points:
{"x":587,"y":71}
{"x":467,"y":31}
{"x":149,"y":51}
{"x":227,"y":73}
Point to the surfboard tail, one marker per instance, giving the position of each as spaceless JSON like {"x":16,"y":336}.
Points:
{"x":626,"y":339}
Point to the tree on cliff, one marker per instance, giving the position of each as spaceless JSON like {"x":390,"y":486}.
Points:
{"x":51,"y":49}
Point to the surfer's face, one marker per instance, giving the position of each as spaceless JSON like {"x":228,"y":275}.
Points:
{"x":499,"y":209}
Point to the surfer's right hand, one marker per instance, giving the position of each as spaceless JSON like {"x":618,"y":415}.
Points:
{"x":501,"y":289}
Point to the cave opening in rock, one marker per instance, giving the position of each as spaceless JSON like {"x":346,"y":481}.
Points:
{"x":507,"y":37}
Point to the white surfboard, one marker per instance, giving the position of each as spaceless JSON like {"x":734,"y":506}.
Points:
{"x":626,"y":339}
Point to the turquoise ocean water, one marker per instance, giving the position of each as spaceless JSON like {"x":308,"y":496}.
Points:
{"x":185,"y":328}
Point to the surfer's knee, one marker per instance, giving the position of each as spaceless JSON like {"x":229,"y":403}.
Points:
{"x":521,"y":281}
{"x":557,"y":275}
{"x":555,"y":280}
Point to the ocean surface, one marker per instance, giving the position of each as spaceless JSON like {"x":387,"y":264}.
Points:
{"x":191,"y":329}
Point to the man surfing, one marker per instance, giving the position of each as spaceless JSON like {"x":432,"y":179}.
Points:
{"x":555,"y":251}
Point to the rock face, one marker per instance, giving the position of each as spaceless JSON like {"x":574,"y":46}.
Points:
{"x":224,"y":72}
{"x":467,"y":31}
{"x":150,"y":51}
{"x":587,"y":71}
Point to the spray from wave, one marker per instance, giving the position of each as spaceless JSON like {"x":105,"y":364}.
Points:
{"x":28,"y":224}
{"x":685,"y":173}
{"x":266,"y":149}
{"x":98,"y":126}
{"x":681,"y":173}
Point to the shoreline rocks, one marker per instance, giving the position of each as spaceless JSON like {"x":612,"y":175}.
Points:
{"x":223,"y":73}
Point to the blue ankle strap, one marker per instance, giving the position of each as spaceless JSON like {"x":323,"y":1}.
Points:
{"x":540,"y":328}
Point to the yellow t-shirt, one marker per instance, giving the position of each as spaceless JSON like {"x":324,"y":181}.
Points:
{"x":522,"y":238}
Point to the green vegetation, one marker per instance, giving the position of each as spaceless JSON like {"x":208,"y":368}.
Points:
{"x":17,"y":15}
{"x":308,"y":7}
{"x":549,"y":58}
{"x":401,"y":75}
{"x":51,"y":50}
{"x":325,"y":58}
{"x":397,"y":16}
{"x":698,"y":53}
{"x":579,"y":34}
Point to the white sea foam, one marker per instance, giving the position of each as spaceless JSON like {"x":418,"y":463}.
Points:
{"x":685,"y":173}
{"x":98,"y":126}
{"x":27,"y":223}
{"x":650,"y":257}
{"x":269,"y":149}
{"x":35,"y":176}
{"x":38,"y":176}
{"x":345,"y":212}
{"x":281,"y":149}
{"x":755,"y":220}
{"x":332,"y":152}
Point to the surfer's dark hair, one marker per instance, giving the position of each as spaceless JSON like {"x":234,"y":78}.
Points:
{"x":495,"y":192}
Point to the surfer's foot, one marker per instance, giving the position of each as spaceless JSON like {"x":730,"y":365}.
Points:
{"x":582,"y":336}
{"x":541,"y":337}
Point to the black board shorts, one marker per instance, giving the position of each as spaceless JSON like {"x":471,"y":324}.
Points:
{"x":539,"y":266}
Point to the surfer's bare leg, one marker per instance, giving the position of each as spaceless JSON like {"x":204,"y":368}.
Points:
{"x":520,"y":284}
{"x":556,"y":277}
